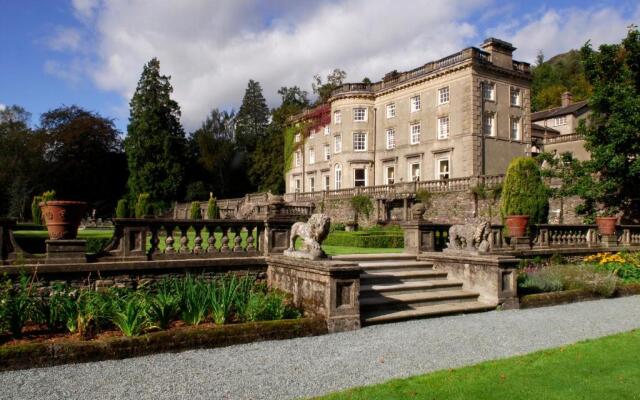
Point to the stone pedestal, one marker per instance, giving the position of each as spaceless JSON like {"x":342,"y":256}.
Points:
{"x":609,"y":240}
{"x":66,"y":251}
{"x":419,"y":236}
{"x":494,"y":277}
{"x":328,"y":289}
{"x":520,"y":243}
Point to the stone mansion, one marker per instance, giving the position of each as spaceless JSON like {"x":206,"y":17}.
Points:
{"x":464,"y":115}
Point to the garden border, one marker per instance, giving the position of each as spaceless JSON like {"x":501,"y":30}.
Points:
{"x":573,"y":296}
{"x":46,"y":354}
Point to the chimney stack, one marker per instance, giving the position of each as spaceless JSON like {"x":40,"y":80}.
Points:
{"x":501,"y":52}
{"x":566,"y":99}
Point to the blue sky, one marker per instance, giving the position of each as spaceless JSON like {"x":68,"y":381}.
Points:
{"x":91,"y":52}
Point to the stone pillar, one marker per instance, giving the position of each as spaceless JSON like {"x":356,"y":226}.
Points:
{"x":405,"y":209}
{"x":66,"y":251}
{"x":328,"y":289}
{"x":493,"y":277}
{"x":418,"y":237}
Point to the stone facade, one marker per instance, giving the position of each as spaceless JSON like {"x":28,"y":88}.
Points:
{"x":423,"y":124}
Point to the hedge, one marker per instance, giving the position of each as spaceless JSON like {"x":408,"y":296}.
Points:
{"x":381,"y":239}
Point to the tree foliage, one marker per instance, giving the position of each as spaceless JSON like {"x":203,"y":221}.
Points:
{"x":361,"y":205}
{"x":212,"y":208}
{"x":252,"y":118}
{"x":155,"y":144}
{"x":268,"y":160}
{"x":612,"y":134}
{"x":524,"y":192}
{"x":323,"y":89}
{"x":559,"y":74}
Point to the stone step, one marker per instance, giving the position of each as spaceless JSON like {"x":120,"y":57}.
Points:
{"x":375,"y":289}
{"x":400,"y":276}
{"x":402,"y":301}
{"x":435,"y":310}
{"x":389,"y":265}
{"x":375,"y":257}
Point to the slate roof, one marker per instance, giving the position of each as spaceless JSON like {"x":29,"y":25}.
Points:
{"x":574,"y":108}
{"x":540,"y":131}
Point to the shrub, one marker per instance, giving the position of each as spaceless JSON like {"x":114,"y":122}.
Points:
{"x":36,"y":212}
{"x":94,"y":311}
{"x":143,"y":206}
{"x":424,"y":197}
{"x":212,"y":208}
{"x":56,"y":309}
{"x":194,"y":212}
{"x":540,"y":282}
{"x":122,"y":210}
{"x":380,"y":239}
{"x":336,"y":227}
{"x":265,"y":306}
{"x":524,"y":192}
{"x":17,"y":304}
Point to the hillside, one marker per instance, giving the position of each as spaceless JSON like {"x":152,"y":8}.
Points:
{"x":553,"y":77}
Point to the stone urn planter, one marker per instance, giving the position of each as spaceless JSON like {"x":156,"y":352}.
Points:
{"x":418,"y":210}
{"x":62,"y":218}
{"x":606,"y":225}
{"x":351,"y":226}
{"x":516,"y":225}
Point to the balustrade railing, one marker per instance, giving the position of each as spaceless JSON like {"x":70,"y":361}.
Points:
{"x":546,"y":235}
{"x":572,"y":137}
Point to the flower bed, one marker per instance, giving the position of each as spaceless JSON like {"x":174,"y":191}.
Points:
{"x":86,"y":313}
{"x":598,"y":276}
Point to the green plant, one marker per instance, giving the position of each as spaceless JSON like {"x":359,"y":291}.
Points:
{"x":491,"y":194}
{"x":361,"y":204}
{"x":336,"y":227}
{"x":129,"y":314}
{"x":143,"y":206}
{"x":424,"y":197}
{"x":194,"y":212}
{"x":18,"y":305}
{"x":212,"y":207}
{"x":56,"y":308}
{"x":538,"y":282}
{"x":164,"y":306}
{"x":223,"y":294}
{"x":94,"y":310}
{"x":194,"y":299}
{"x":122,"y":210}
{"x":524,"y":192}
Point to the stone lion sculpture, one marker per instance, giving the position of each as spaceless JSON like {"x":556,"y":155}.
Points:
{"x":473,"y":236}
{"x":312,"y":232}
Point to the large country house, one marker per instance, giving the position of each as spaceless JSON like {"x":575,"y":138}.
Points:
{"x":464,"y":115}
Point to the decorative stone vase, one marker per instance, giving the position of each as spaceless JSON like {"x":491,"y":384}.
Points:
{"x":606,"y":225}
{"x":418,"y":210}
{"x":351,"y":226}
{"x":62,"y":218}
{"x":516,"y":225}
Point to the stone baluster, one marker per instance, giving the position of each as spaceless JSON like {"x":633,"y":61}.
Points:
{"x":154,"y":241}
{"x":237,"y":240}
{"x":225,"y":241}
{"x":211,"y":240}
{"x":184,"y":239}
{"x":197,"y":243}
{"x":169,"y":249}
{"x":250,"y":240}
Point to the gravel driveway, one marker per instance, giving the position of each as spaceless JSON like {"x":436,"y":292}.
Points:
{"x":313,"y":366}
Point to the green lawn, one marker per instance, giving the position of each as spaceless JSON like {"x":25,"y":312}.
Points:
{"x":606,"y":368}
{"x":82,"y":234}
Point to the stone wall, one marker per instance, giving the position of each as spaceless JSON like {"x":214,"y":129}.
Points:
{"x":446,"y":207}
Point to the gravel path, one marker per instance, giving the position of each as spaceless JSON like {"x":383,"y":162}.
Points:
{"x":317,"y":365}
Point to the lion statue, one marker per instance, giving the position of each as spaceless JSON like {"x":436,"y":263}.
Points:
{"x":473,"y":236}
{"x":312,"y":233}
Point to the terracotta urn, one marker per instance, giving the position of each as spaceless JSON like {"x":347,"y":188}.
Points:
{"x":606,"y":225}
{"x":62,"y":218}
{"x":516,"y":225}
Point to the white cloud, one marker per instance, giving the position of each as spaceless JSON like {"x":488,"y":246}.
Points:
{"x":211,"y":49}
{"x":71,"y":72}
{"x":556,"y":31}
{"x":65,"y":39}
{"x":2,"y":107}
{"x":85,"y":9}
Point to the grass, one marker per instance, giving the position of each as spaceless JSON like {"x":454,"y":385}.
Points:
{"x":605,"y":368}
{"x":82,"y":234}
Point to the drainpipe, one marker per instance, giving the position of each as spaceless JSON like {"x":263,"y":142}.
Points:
{"x":375,"y":124}
{"x":482,"y":133}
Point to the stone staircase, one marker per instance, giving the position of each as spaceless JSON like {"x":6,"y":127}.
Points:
{"x":398,"y":287}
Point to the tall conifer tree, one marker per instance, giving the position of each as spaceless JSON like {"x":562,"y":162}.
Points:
{"x":252,"y":118}
{"x":156,"y":143}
